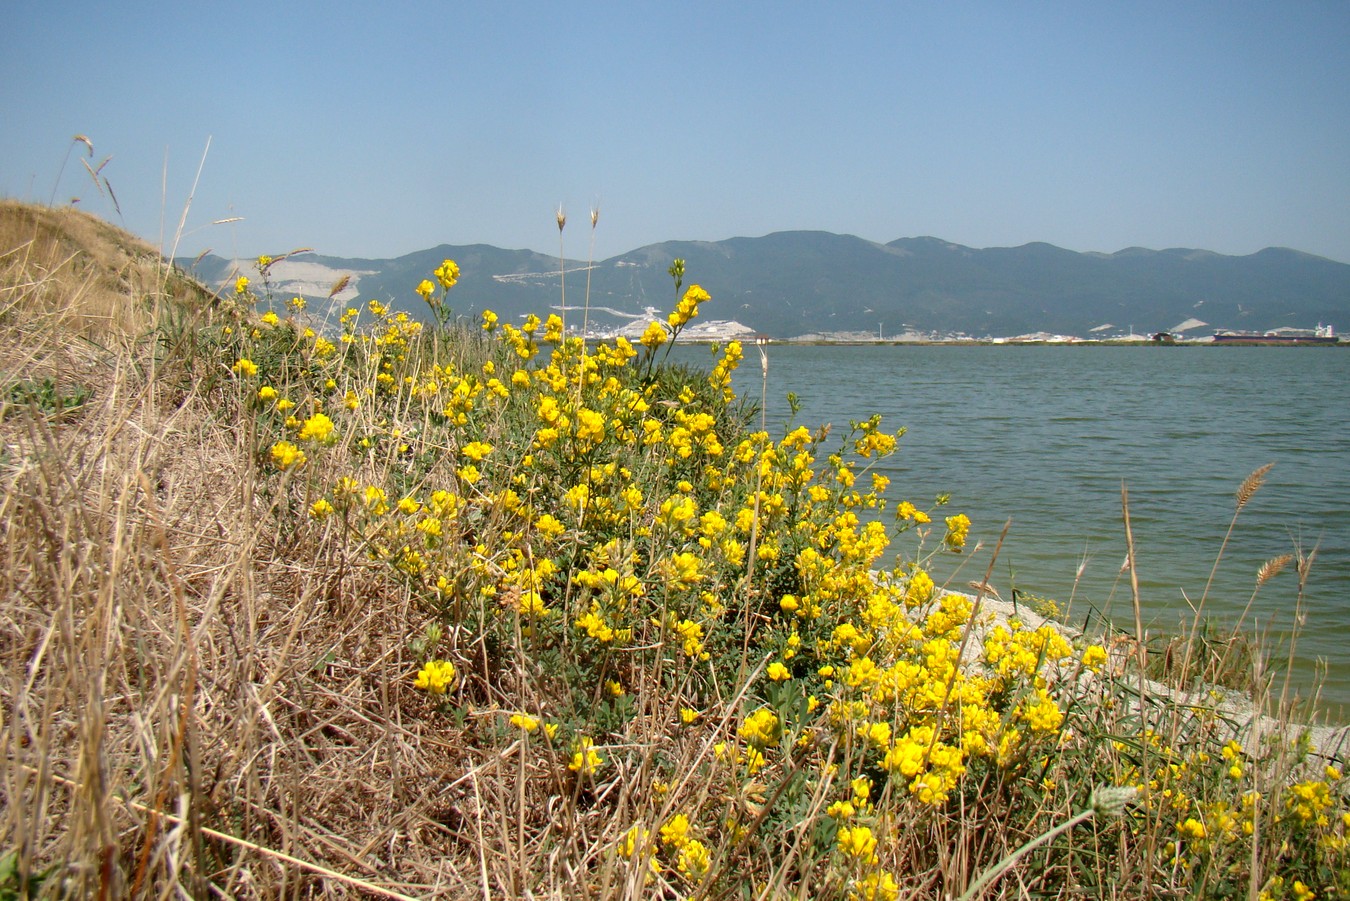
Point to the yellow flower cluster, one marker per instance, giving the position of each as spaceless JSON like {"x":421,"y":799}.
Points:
{"x":958,"y":527}
{"x":286,"y":455}
{"x":692,"y":857}
{"x":653,"y":336}
{"x":531,"y":724}
{"x":687,"y":308}
{"x":586,"y":761}
{"x":437,"y":677}
{"x":447,"y":274}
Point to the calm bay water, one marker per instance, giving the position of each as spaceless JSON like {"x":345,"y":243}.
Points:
{"x":1046,"y":435}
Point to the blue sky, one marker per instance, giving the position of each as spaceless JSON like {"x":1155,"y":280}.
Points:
{"x":365,"y":130}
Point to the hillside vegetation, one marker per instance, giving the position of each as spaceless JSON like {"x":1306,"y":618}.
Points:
{"x":394,"y":610}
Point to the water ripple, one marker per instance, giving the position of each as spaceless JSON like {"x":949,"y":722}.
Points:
{"x":1048,"y":435}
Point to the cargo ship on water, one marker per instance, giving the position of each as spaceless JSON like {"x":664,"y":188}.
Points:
{"x":1323,"y":334}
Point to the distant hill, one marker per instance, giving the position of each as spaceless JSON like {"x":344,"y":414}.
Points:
{"x":792,"y":283}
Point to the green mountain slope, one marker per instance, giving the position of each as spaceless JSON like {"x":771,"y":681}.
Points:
{"x":792,"y":283}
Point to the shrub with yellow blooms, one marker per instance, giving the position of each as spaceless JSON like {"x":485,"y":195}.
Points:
{"x":683,"y":598}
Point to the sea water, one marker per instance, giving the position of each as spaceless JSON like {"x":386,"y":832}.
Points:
{"x":1051,"y":437}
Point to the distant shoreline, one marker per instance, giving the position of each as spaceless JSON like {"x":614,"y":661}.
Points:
{"x":1004,"y":342}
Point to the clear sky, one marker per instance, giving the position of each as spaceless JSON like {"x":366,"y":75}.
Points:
{"x":379,"y":129}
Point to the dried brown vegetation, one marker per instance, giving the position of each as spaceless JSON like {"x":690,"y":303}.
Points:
{"x":190,"y":698}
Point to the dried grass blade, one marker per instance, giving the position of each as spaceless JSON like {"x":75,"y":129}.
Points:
{"x":291,"y":253}
{"x":93,"y":175}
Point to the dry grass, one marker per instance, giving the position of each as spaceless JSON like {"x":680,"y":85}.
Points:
{"x":188,"y":695}
{"x":82,"y":277}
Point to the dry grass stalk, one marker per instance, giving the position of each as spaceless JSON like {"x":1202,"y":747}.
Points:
{"x":1251,"y":485}
{"x":1272,"y":568}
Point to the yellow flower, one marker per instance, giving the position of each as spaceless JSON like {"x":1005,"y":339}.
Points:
{"x":590,"y":426}
{"x":271,"y":318}
{"x":585,"y":760}
{"x":879,"y":885}
{"x":654,"y":336}
{"x":447,"y":274}
{"x":245,"y":367}
{"x":877,"y":734}
{"x":908,"y":512}
{"x":476,"y":450}
{"x":760,"y":727}
{"x":425,"y":289}
{"x":676,"y":832}
{"x":1192,"y":829}
{"x":778,"y":672}
{"x":634,"y":841}
{"x":436,"y":676}
{"x":320,"y":508}
{"x":553,"y":328}
{"x":694,"y":859}
{"x":287,"y":455}
{"x":857,"y":841}
{"x":840,"y":810}
{"x":267,"y":392}
{"x":377,"y":501}
{"x":317,"y":428}
{"x":688,"y":715}
{"x":691,"y":635}
{"x":681,"y":570}
{"x":524,"y":721}
{"x":1043,"y":715}
{"x":549,"y":525}
{"x":241,"y":284}
{"x":958,"y":527}
{"x":920,"y":589}
{"x":687,"y":308}
{"x":754,"y":760}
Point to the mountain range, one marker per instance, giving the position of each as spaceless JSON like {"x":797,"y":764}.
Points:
{"x":795,"y":283}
